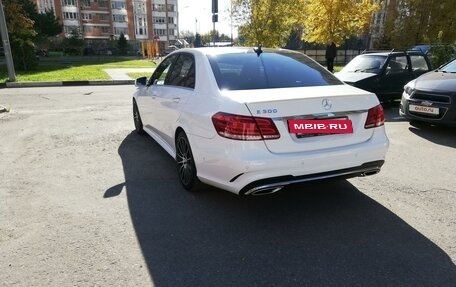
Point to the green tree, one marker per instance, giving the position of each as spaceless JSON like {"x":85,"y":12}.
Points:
{"x":209,"y":37}
{"x":198,"y":41}
{"x":45,"y":24}
{"x":420,"y":21}
{"x":336,"y":20}
{"x":21,"y":34}
{"x":267,"y":22}
{"x":74,"y":43}
{"x":122,"y":44}
{"x":294,"y":40}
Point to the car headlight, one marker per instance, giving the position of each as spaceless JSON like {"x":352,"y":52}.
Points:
{"x":409,"y":88}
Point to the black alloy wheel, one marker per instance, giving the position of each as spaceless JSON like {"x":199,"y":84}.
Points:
{"x":186,"y":168}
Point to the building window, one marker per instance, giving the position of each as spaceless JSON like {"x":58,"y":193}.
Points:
{"x":162,"y":20}
{"x":71,"y":29}
{"x":118,"y":18}
{"x":86,"y":16}
{"x":160,"y":32}
{"x":118,"y":31}
{"x":69,"y":3}
{"x":85,"y":3}
{"x":103,"y":3}
{"x":87,"y":29}
{"x":118,"y":5}
{"x":139,"y":7}
{"x":105,"y":30}
{"x":159,"y":20}
{"x":103,"y":17}
{"x":140,"y":25}
{"x":162,"y":7}
{"x":70,"y":15}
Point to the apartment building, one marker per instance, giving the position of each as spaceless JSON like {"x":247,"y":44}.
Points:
{"x":106,"y":19}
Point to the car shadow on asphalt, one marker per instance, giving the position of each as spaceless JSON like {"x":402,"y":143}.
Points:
{"x":441,"y":135}
{"x":319,"y":234}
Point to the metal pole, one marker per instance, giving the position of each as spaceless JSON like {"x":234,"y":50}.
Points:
{"x":231,"y":20}
{"x":6,"y":45}
{"x":213,"y":34}
{"x":167,"y":24}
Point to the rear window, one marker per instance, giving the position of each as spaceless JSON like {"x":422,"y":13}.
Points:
{"x":246,"y":71}
{"x":365,"y":64}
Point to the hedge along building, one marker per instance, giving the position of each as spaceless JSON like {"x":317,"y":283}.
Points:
{"x":104,"y":20}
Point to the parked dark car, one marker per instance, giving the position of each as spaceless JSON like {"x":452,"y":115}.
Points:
{"x":384,"y":73}
{"x":432,"y":97}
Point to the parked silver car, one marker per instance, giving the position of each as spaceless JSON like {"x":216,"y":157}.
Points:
{"x":432,"y":97}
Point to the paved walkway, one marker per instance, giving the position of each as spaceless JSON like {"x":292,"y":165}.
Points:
{"x":121,"y":73}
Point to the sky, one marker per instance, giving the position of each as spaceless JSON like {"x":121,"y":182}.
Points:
{"x":196,"y":16}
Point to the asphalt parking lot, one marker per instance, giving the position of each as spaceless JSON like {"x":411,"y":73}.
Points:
{"x":85,"y":201}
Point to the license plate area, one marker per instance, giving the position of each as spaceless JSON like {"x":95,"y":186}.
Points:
{"x":424,"y":110}
{"x":318,"y":127}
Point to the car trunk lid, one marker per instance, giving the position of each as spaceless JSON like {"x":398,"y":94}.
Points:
{"x":340,"y":102}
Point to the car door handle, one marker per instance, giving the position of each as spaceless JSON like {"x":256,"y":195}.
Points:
{"x":176,"y":100}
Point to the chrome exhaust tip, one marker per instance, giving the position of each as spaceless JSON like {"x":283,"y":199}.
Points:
{"x":371,"y":172}
{"x":264,"y":190}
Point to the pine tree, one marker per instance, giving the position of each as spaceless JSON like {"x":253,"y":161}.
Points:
{"x":122,"y":44}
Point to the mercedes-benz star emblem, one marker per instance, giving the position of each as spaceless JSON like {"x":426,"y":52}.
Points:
{"x":327,"y":105}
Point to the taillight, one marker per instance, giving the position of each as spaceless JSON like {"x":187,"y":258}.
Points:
{"x":375,"y":117}
{"x":244,"y":128}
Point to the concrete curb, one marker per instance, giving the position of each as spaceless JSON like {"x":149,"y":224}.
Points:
{"x":68,"y":83}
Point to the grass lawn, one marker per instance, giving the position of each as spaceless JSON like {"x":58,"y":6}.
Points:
{"x":75,"y":68}
{"x":138,"y":75}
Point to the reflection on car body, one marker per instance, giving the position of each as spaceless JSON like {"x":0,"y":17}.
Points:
{"x":227,"y":116}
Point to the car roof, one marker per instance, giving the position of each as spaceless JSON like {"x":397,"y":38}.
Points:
{"x":393,"y":53}
{"x":230,"y":50}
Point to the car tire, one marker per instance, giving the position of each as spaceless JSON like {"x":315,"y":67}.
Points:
{"x":186,"y":169}
{"x":137,"y":119}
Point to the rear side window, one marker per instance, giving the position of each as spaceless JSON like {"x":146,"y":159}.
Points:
{"x":246,"y":71}
{"x":397,"y":65}
{"x":182,"y":72}
{"x":418,"y":63}
{"x":161,"y":72}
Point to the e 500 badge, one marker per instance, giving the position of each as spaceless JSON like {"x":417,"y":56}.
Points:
{"x":266,"y":111}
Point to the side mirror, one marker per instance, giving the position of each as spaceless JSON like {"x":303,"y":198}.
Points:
{"x":142,"y":81}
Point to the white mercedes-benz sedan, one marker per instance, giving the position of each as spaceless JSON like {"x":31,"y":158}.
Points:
{"x":253,"y":120}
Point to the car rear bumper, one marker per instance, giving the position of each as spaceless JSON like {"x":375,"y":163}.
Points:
{"x":274,"y":184}
{"x":249,"y":168}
